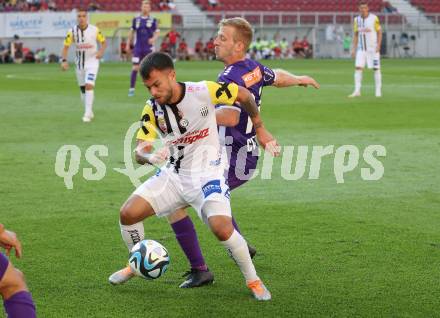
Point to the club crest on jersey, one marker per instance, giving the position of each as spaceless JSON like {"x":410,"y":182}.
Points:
{"x":204,"y":111}
{"x":184,"y":122}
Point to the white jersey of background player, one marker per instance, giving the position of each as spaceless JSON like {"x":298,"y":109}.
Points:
{"x":367,"y":41}
{"x":85,"y":37}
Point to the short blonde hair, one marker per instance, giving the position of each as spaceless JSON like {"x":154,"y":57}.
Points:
{"x":243,"y":27}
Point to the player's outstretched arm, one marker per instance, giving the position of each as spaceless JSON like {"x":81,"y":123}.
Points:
{"x":9,"y":241}
{"x":264,"y":137}
{"x":144,"y":153}
{"x":100,"y":53}
{"x":64,"y":64}
{"x":285,"y":79}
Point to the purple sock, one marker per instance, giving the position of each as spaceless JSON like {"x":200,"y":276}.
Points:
{"x":20,"y":305}
{"x":235,"y":225}
{"x":187,"y":237}
{"x":133,"y":79}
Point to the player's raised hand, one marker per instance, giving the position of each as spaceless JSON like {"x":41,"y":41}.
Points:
{"x":267,"y":141}
{"x":99,"y":55}
{"x":307,"y":80}
{"x":9,"y":241}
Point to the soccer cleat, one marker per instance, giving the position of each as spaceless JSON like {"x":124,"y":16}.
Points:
{"x":355,"y":94}
{"x":87,"y":119}
{"x":252,"y":251}
{"x":121,"y":276}
{"x":130,"y":92}
{"x":259,"y":291}
{"x":197,"y":278}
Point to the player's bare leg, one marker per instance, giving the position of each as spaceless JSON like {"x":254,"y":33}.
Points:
{"x":236,"y":245}
{"x":89,"y":96}
{"x":16,"y":297}
{"x":132,"y":213}
{"x":186,"y":235}
{"x":357,"y":82}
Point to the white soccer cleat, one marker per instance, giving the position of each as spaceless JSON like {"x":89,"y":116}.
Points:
{"x":259,"y":291}
{"x":121,"y":276}
{"x":355,"y":94}
{"x":87,"y":119}
{"x":130,"y":92}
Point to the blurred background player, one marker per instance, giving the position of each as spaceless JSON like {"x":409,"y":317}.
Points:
{"x":236,"y":131}
{"x":17,"y":300}
{"x":367,"y":41}
{"x":193,"y":174}
{"x":86,"y":38}
{"x":141,"y":37}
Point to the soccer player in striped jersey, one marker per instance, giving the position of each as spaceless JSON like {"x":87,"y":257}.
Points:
{"x":142,"y":35}
{"x":183,"y":115}
{"x":86,"y":38}
{"x":367,"y":41}
{"x":17,"y":299}
{"x":236,"y":131}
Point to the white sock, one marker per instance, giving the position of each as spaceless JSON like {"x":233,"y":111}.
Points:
{"x":89,"y":102}
{"x":378,"y":81}
{"x":237,"y":246}
{"x":131,"y":234}
{"x":357,"y":81}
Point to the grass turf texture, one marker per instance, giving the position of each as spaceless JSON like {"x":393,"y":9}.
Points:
{"x":324,"y":249}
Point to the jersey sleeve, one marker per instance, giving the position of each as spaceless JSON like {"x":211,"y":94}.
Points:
{"x":155,"y":26}
{"x":222,"y":93}
{"x":100,"y":37}
{"x":133,"y":24}
{"x":147,"y":130}
{"x":377,"y":24}
{"x":355,"y":26}
{"x":269,"y":76}
{"x":68,"y":39}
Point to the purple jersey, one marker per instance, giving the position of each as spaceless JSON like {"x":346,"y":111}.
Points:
{"x":144,"y":29}
{"x":240,"y":140}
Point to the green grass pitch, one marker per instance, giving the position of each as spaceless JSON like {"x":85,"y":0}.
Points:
{"x":361,"y":248}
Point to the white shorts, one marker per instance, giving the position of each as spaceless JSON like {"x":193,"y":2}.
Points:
{"x":167,"y":191}
{"x":372,"y":59}
{"x":87,"y":75}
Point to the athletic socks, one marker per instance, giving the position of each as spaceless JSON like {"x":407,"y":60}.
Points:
{"x":187,"y":237}
{"x":237,"y":247}
{"x":133,"y":79}
{"x":132,"y":234}
{"x":357,"y":81}
{"x":89,"y":96}
{"x":378,"y":82}
{"x":20,"y":305}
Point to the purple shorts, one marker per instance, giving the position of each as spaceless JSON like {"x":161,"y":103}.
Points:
{"x":234,"y":181}
{"x":4,"y":263}
{"x":138,"y":56}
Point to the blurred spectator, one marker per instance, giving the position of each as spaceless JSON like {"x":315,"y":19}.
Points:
{"x":94,"y":6}
{"x":284,"y":45}
{"x":182,"y":51}
{"x":52,"y":5}
{"x":172,"y":37}
{"x":164,"y":46}
{"x":17,"y":50}
{"x":29,"y":56}
{"x":198,"y":49}
{"x":210,"y":49}
{"x":171,"y":4}
{"x":388,"y":8}
{"x":123,"y":50}
{"x":307,"y":48}
{"x":298,"y":48}
{"x":41,"y":56}
{"x":212,"y":3}
{"x":4,"y":53}
{"x":346,"y":44}
{"x":167,"y":5}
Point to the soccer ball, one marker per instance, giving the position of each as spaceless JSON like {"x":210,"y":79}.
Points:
{"x":149,"y":259}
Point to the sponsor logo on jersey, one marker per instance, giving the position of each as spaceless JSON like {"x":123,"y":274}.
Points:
{"x":365,"y":30}
{"x":191,"y":137}
{"x":204,"y":111}
{"x":211,"y":187}
{"x":84,"y":46}
{"x":252,"y":77}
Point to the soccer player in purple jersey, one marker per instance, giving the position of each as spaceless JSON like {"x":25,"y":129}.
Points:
{"x":231,"y":44}
{"x":144,"y":32}
{"x":17,"y":300}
